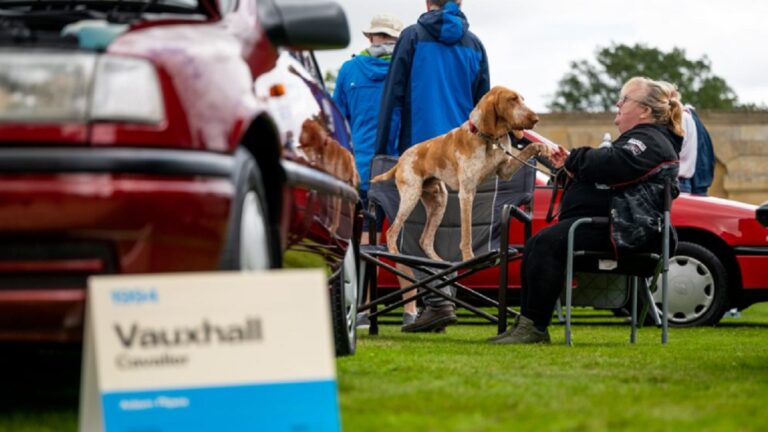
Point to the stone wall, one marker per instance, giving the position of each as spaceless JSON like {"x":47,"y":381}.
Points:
{"x":740,"y":141}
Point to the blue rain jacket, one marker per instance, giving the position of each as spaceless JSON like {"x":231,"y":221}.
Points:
{"x":358,"y":96}
{"x":439,"y":72}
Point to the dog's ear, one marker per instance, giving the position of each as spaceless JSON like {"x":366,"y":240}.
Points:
{"x":504,"y":102}
{"x":489,"y":116}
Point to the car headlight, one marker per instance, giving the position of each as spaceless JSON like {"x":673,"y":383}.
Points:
{"x":51,"y":87}
{"x":45,"y":86}
{"x":126,"y":89}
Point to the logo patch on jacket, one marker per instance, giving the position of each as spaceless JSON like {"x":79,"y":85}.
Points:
{"x":635,"y":146}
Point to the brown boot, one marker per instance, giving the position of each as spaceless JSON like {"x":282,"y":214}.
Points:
{"x":524,"y":333}
{"x":432,"y":320}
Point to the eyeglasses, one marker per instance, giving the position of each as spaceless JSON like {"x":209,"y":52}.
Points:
{"x":625,"y":98}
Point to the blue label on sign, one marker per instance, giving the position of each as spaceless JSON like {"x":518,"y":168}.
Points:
{"x":290,"y":407}
{"x":134,"y":296}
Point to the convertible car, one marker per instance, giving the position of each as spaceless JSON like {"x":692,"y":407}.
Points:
{"x":147,"y":136}
{"x":720,"y":262}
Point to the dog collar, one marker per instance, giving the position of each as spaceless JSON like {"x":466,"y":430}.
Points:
{"x":492,"y":140}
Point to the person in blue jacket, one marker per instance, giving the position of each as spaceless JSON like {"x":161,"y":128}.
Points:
{"x":439,"y":72}
{"x":358,"y":90}
{"x":358,"y":95}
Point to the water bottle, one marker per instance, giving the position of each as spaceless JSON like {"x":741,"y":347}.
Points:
{"x":606,"y":140}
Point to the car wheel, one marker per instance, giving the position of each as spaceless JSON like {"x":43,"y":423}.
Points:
{"x":249,"y":244}
{"x":698,"y":293}
{"x":344,"y":298}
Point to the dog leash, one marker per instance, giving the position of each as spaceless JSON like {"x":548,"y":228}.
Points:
{"x":559,"y":182}
{"x":526,"y":163}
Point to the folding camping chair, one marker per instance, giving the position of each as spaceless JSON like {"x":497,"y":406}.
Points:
{"x":495,"y":203}
{"x":598,"y":283}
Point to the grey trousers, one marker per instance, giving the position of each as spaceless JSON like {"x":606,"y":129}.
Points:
{"x":433,"y":300}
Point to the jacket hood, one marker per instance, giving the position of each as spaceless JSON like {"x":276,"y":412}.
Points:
{"x":677,"y":140}
{"x":374,"y":68}
{"x":448,"y":25}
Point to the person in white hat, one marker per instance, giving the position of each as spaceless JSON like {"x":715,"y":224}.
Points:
{"x":359,"y":86}
{"x":358,"y":93}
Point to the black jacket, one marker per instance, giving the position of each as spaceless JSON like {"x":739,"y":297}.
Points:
{"x":625,"y":182}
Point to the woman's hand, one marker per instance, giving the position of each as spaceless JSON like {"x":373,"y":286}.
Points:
{"x":558,"y":156}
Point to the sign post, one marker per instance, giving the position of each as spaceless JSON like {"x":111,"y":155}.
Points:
{"x":209,"y":351}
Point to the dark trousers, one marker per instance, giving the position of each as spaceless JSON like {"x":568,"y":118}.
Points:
{"x":691,"y":186}
{"x":542,"y":270}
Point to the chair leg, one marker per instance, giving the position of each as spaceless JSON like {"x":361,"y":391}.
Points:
{"x":569,"y":278}
{"x":559,"y":310}
{"x":373,"y":288}
{"x":664,"y":308}
{"x":650,"y":305}
{"x":633,"y":332}
{"x":568,"y":298}
{"x":665,"y":274}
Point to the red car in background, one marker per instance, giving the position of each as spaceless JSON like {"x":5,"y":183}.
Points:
{"x":721,"y":260}
{"x":145,"y":136}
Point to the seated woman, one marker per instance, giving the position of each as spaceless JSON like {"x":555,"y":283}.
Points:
{"x":624,"y":181}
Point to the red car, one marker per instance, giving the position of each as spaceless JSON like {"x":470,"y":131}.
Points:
{"x":720,"y":262}
{"x":143,"y":136}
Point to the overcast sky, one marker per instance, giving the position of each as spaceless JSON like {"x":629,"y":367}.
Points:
{"x":530,"y":44}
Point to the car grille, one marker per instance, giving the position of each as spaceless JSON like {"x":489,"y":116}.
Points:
{"x":52,"y":264}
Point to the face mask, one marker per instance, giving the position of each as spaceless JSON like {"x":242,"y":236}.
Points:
{"x":381,"y":50}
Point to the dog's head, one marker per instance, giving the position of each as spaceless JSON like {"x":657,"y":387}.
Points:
{"x":312,"y":134}
{"x":502,"y":110}
{"x":312,"y":140}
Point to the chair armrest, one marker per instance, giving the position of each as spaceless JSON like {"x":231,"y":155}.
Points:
{"x":602,"y":220}
{"x":519,"y":214}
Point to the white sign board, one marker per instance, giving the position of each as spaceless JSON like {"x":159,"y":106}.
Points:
{"x":209,"y":352}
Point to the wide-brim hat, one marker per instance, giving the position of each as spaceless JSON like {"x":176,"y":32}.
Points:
{"x":386,"y":24}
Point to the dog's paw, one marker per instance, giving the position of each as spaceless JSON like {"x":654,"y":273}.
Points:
{"x":542,"y":149}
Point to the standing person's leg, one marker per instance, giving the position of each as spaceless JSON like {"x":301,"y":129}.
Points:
{"x":438,"y":312}
{"x":409,"y":309}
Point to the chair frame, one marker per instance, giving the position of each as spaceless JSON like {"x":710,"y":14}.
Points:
{"x":372,"y":255}
{"x":661,"y":267}
{"x":444,"y":271}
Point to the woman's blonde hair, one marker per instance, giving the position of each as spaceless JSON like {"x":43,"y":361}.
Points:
{"x":664,"y":101}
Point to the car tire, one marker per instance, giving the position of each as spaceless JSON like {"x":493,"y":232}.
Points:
{"x":344,"y":301}
{"x":698,"y":290}
{"x":249,"y":241}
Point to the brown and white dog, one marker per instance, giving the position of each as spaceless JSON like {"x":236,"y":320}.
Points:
{"x":324,"y":152}
{"x":462,"y":159}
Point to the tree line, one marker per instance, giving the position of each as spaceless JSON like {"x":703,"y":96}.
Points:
{"x":593,"y":86}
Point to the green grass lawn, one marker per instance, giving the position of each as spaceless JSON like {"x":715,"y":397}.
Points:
{"x":704,"y":379}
